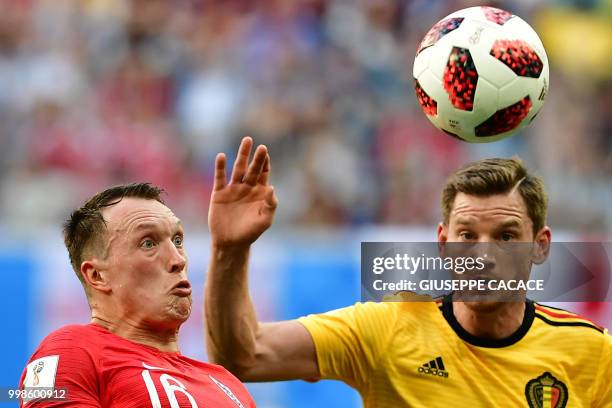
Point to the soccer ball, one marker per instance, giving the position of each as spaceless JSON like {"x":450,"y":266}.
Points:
{"x":481,"y":74}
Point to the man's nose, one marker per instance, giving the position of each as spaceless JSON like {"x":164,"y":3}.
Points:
{"x":178,"y":259}
{"x":486,"y":251}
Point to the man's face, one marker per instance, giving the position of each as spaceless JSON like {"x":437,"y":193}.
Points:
{"x":496,"y":218}
{"x":146,"y":264}
{"x":496,"y":224}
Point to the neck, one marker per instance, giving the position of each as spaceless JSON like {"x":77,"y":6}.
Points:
{"x":497,"y":322}
{"x":162,"y":339}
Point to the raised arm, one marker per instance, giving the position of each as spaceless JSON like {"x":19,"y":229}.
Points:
{"x":240,"y":211}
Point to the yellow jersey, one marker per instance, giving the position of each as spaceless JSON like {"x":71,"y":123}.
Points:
{"x":416,"y":354}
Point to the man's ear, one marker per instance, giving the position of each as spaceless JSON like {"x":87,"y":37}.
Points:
{"x":542,"y":245}
{"x":442,"y":236}
{"x":442,"y":233}
{"x":95,"y":275}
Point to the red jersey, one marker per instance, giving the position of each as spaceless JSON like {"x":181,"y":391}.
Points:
{"x":97,"y":368}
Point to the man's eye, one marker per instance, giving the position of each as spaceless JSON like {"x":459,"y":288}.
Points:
{"x":147,"y":243}
{"x":466,"y":235}
{"x":178,"y":241}
{"x":506,"y":236}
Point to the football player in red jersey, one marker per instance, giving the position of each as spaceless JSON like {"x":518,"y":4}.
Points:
{"x":127,"y":249}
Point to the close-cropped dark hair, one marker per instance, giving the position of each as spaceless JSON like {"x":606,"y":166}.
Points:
{"x":86,"y":227}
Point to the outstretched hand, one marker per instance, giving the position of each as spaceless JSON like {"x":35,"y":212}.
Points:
{"x":242,"y":210}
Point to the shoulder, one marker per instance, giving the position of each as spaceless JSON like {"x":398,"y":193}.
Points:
{"x":564,"y":324}
{"x":70,"y":337}
{"x":65,"y":360}
{"x":73,"y":331}
{"x":377,"y":316}
{"x":62,"y":353}
{"x":556,"y":317}
{"x":74,"y":345}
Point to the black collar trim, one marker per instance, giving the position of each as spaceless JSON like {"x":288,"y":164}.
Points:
{"x":447,"y":312}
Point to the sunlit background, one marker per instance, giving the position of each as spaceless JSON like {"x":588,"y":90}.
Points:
{"x":95,"y":93}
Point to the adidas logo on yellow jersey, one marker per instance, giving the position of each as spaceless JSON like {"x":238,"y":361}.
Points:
{"x":434,"y":367}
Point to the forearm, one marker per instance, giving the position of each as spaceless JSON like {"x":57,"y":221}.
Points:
{"x":231,"y":322}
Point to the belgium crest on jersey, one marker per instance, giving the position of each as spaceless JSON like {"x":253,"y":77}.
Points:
{"x":546,"y":391}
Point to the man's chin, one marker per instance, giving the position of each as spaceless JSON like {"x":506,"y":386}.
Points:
{"x":490,"y":303}
{"x":483,"y":306}
{"x":488,"y":298}
{"x":181,"y":308}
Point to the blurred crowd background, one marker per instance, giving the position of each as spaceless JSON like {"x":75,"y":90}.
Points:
{"x":100,"y":92}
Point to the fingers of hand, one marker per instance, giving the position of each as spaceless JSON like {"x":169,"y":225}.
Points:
{"x":265,"y":173}
{"x":257,"y":165}
{"x":242,"y":160}
{"x":220,"y":180}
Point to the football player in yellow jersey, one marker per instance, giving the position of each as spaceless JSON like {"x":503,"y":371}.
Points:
{"x":409,"y":354}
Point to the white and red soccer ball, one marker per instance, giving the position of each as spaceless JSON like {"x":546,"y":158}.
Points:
{"x":481,"y":74}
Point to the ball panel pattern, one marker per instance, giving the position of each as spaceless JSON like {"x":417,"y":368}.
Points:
{"x":439,"y":30}
{"x":505,"y":120}
{"x":460,"y":79}
{"x":496,"y":15}
{"x":429,"y":105}
{"x":519,"y":56}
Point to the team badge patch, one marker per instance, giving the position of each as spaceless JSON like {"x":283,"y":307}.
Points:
{"x":546,"y":391}
{"x":41,"y":372}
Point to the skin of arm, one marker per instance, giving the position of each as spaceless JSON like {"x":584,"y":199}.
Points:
{"x":240,"y":211}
